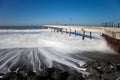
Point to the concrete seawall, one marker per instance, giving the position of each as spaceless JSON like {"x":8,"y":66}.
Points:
{"x":113,"y":43}
{"x":112,"y":32}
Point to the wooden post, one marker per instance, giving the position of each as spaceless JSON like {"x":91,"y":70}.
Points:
{"x":90,"y":35}
{"x":61,"y":30}
{"x":70,"y":33}
{"x":57,"y":30}
{"x":75,"y":32}
{"x":83,"y":37}
{"x":54,"y":29}
{"x":66,"y":31}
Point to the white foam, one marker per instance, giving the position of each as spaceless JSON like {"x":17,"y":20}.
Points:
{"x":52,"y":46}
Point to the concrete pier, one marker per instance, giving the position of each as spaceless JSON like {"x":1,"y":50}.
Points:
{"x":112,"y":35}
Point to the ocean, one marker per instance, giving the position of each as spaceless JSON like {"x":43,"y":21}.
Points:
{"x":30,"y":48}
{"x":21,"y":27}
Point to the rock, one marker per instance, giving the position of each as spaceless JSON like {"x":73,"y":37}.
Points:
{"x":43,"y":73}
{"x":94,"y":78}
{"x":23,"y":73}
{"x":1,"y":74}
{"x":92,"y":72}
{"x":71,"y":77}
{"x":56,"y":75}
{"x":110,"y":76}
{"x":50,"y":70}
{"x":75,"y":77}
{"x":106,"y":69}
{"x":104,"y":64}
{"x":30,"y":73}
{"x":16,"y":76}
{"x":64,"y":75}
{"x":7,"y":76}
{"x":118,"y":67}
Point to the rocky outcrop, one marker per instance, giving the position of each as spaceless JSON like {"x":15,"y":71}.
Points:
{"x":103,"y":71}
{"x":45,"y":74}
{"x":96,"y":70}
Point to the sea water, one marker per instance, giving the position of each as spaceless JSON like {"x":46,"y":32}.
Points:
{"x":35,"y":49}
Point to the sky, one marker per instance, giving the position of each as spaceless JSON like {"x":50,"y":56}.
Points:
{"x":39,"y":12}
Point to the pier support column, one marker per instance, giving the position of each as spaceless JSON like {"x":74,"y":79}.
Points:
{"x":61,"y":30}
{"x":66,"y":31}
{"x":70,"y":33}
{"x":57,"y":29}
{"x":83,"y":36}
{"x":90,"y":35}
{"x":75,"y":32}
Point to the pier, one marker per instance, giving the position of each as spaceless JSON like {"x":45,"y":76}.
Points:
{"x":110,"y":34}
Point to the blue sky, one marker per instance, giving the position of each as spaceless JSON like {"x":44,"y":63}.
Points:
{"x":38,"y":12}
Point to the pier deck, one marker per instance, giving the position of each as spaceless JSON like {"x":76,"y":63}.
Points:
{"x":109,"y":31}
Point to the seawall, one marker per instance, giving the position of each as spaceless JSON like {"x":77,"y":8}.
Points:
{"x":112,"y":42}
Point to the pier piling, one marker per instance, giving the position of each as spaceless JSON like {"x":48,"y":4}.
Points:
{"x":61,"y":30}
{"x":66,"y":31}
{"x":75,"y":32}
{"x":70,"y":33}
{"x":83,"y":36}
{"x":90,"y":35}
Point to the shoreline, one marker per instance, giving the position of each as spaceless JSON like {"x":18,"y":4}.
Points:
{"x":97,"y":71}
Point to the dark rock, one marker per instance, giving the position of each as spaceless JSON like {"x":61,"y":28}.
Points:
{"x":56,"y":75}
{"x":71,"y":77}
{"x":75,"y":77}
{"x":99,"y":70}
{"x":16,"y":76}
{"x":91,"y":71}
{"x":23,"y":73}
{"x":50,"y":70}
{"x":64,"y":75}
{"x":43,"y":73}
{"x":1,"y":74}
{"x":7,"y":76}
{"x":110,"y":76}
{"x":118,"y":67}
{"x":30,"y":73}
